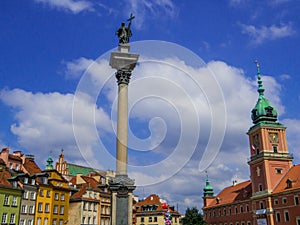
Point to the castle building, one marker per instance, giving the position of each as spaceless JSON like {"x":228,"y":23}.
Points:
{"x":272,"y":194}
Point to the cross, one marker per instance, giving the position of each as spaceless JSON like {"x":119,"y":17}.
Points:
{"x":131,"y":17}
{"x":256,"y":62}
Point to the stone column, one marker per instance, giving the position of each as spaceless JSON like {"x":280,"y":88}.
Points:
{"x":122,"y":186}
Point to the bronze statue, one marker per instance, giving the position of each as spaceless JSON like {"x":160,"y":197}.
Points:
{"x":124,"y":33}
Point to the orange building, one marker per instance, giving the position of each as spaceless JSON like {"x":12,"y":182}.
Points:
{"x":272,"y":195}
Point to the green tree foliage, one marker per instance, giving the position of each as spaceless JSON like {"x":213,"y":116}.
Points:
{"x":193,"y":217}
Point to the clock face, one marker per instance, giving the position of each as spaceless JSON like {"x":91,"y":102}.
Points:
{"x":273,"y":137}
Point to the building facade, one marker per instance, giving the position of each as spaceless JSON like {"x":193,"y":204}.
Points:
{"x":10,"y":197}
{"x":28,"y":185}
{"x":150,"y":211}
{"x":272,"y":195}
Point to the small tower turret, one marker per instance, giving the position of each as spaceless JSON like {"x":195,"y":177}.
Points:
{"x":49,"y":165}
{"x":208,"y":192}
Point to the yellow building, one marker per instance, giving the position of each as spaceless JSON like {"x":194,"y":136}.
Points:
{"x":53,"y":197}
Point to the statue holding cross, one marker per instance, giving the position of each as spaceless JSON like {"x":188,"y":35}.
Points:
{"x":124,"y":33}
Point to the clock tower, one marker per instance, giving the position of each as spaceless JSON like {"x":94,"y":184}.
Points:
{"x":270,"y":158}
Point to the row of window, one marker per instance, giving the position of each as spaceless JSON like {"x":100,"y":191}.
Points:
{"x":14,"y":166}
{"x":286,"y":216}
{"x":23,"y":222}
{"x":48,"y":195}
{"x":47,"y":208}
{"x":153,"y":219}
{"x":7,"y":200}
{"x":89,"y":206}
{"x":105,"y":210}
{"x":150,"y":219}
{"x":4,"y":219}
{"x":39,"y":221}
{"x":284,"y":200}
{"x":89,"y":220}
{"x":30,"y":209}
{"x":30,"y":194}
{"x":237,"y":223}
{"x":228,"y":211}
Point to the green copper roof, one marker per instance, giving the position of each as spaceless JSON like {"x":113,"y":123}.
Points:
{"x":208,"y":189}
{"x":263,"y":110}
{"x":75,"y":169}
{"x":49,"y":165}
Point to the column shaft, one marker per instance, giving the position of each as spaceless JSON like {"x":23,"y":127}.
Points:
{"x":122,"y":129}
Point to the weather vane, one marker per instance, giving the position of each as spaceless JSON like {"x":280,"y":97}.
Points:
{"x":124,"y":33}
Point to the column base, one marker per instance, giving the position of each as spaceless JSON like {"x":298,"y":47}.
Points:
{"x":121,"y":211}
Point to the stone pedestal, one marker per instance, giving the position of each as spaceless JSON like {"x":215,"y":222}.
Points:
{"x":122,"y":186}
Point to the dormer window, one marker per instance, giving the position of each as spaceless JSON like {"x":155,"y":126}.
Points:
{"x":25,"y":180}
{"x":45,"y":180}
{"x":269,"y":111}
{"x":289,"y":183}
{"x":278,"y":170}
{"x":15,"y":184}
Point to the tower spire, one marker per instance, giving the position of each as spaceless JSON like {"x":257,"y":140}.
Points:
{"x":259,"y":81}
{"x":208,"y":190}
{"x":263,"y":110}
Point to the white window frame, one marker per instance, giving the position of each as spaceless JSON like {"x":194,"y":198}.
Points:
{"x":31,"y":209}
{"x":14,"y":201}
{"x":286,"y":218}
{"x":61,"y":210}
{"x":4,"y":218}
{"x":47,"y":207}
{"x":6,"y":200}
{"x":40,"y":207}
{"x":12,"y":218}
{"x":55,"y":209}
{"x":23,"y":208}
{"x":32,"y":195}
{"x":22,"y":221}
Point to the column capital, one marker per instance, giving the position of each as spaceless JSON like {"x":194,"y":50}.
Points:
{"x":123,"y":76}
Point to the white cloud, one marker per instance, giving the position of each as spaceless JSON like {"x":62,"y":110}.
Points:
{"x":43,"y":121}
{"x":293,"y":134}
{"x":75,"y":6}
{"x":150,"y":9}
{"x":285,"y":76}
{"x":264,"y":33}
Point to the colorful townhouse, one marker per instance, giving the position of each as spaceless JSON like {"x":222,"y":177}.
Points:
{"x":10,"y":197}
{"x":29,"y":192}
{"x":52,"y":203}
{"x":91,"y":203}
{"x":272,"y":195}
{"x":151,"y":211}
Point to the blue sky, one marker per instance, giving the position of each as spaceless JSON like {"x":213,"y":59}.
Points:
{"x":200,"y":65}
